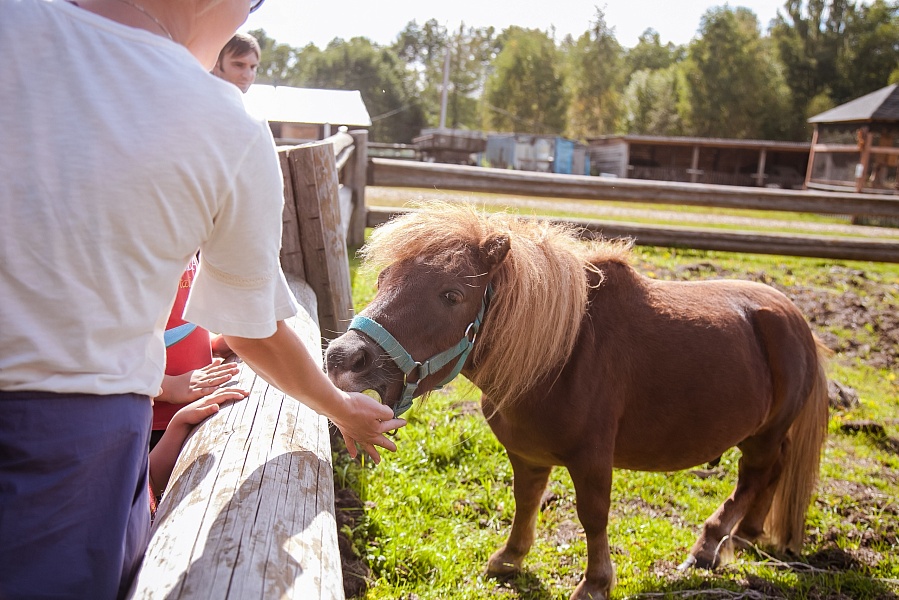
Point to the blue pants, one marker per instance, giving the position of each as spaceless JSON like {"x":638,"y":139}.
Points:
{"x":74,"y":505}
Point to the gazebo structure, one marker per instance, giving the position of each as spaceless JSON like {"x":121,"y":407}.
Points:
{"x":856,"y":145}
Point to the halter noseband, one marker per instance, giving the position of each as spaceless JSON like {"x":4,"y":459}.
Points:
{"x":407,"y":364}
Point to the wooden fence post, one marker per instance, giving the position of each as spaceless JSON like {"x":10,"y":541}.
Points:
{"x":291,"y":249}
{"x":315,"y":184}
{"x":357,"y":173}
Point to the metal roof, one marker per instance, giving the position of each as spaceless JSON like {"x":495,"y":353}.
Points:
{"x":882,"y":105}
{"x":284,"y":104}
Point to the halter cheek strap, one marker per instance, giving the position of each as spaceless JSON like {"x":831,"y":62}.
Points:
{"x":408,"y":365}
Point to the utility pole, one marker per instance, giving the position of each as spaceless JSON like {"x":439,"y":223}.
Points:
{"x":443,"y":93}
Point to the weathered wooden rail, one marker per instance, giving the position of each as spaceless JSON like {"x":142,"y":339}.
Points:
{"x":670,"y":236}
{"x":398,"y":173}
{"x":395,"y":173}
{"x":249,"y":511}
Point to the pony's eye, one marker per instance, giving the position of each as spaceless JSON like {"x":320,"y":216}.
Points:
{"x":453,"y":297}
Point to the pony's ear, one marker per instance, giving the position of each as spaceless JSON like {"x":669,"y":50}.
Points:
{"x":494,"y":249}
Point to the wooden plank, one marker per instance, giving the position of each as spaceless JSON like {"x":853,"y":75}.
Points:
{"x":815,"y":246}
{"x":291,"y":249}
{"x":398,"y":173}
{"x":249,"y":511}
{"x":315,"y":185}
{"x":356,"y":179}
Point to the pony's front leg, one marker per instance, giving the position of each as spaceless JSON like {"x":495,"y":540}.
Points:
{"x":593,"y":488}
{"x":529,"y":482}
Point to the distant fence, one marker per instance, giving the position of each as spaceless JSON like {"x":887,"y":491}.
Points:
{"x":393,"y":173}
{"x":249,"y":511}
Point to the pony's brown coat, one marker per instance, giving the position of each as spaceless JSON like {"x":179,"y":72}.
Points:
{"x":588,"y":364}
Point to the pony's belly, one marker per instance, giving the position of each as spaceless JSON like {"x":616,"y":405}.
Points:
{"x":672,"y":454}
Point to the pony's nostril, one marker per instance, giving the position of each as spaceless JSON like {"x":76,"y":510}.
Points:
{"x":359,"y":361}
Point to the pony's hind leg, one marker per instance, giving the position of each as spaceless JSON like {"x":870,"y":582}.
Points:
{"x":752,"y":525}
{"x":529,"y":482}
{"x":759,"y":470}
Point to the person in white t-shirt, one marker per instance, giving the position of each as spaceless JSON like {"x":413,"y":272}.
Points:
{"x":123,"y":156}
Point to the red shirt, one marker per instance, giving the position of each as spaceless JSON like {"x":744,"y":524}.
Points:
{"x":187,"y":354}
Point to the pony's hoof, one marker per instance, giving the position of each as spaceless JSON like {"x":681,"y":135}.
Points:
{"x":589,"y":592}
{"x":501,"y":566}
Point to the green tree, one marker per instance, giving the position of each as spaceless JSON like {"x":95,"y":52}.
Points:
{"x":278,"y":63}
{"x":870,"y":53}
{"x":471,"y":51}
{"x":596,"y":77}
{"x":380,"y":77}
{"x":809,"y":37}
{"x":735,"y":87}
{"x":650,"y":54}
{"x":651,"y":102}
{"x":526,"y":92}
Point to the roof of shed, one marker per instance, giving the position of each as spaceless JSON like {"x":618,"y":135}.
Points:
{"x":286,"y":104}
{"x":882,"y":105}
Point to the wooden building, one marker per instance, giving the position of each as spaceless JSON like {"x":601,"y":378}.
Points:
{"x":301,"y":115}
{"x":856,"y":145}
{"x":761,"y":163}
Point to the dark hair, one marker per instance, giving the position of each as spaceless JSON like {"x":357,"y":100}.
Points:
{"x":239,"y":45}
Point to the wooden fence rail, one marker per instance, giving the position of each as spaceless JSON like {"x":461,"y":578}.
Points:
{"x":669,"y":236}
{"x":249,"y":511}
{"x":398,"y":173}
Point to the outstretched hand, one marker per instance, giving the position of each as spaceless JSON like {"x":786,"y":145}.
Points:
{"x":193,"y":385}
{"x":365,"y":424}
{"x":199,"y":410}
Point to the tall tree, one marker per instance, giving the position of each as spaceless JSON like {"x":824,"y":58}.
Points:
{"x":734,"y":87}
{"x":380,"y":77}
{"x":651,"y":102}
{"x":525,"y":92}
{"x":870,"y":53}
{"x":596,"y":77}
{"x":809,"y":37}
{"x":650,"y":54}
{"x":278,"y":63}
{"x":471,"y":51}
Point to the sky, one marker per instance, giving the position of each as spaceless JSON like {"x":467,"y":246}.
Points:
{"x":301,"y":22}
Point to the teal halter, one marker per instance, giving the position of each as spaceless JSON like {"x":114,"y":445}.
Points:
{"x":408,"y":365}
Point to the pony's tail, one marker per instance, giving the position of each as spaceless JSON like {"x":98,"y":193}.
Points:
{"x":785,"y":523}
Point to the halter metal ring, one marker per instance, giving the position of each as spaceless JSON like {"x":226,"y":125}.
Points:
{"x":417,"y":368}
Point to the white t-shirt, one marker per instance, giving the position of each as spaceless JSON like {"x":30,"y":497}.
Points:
{"x":120,"y":157}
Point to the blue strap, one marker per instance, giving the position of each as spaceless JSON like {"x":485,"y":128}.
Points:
{"x":407,"y":364}
{"x":386,"y":341}
{"x":176,"y":334}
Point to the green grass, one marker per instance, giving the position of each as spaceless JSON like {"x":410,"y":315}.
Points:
{"x":437,"y":508}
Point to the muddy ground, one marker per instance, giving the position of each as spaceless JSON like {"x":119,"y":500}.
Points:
{"x":846,"y":299}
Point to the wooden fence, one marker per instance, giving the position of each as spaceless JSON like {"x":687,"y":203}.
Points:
{"x":249,"y":510}
{"x":395,"y":173}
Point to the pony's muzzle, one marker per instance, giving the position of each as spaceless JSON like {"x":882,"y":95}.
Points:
{"x":350,"y":355}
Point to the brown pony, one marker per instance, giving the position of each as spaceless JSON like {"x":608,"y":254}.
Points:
{"x":585,"y":363}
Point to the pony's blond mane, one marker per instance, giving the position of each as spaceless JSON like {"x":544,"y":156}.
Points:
{"x":540,"y":289}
